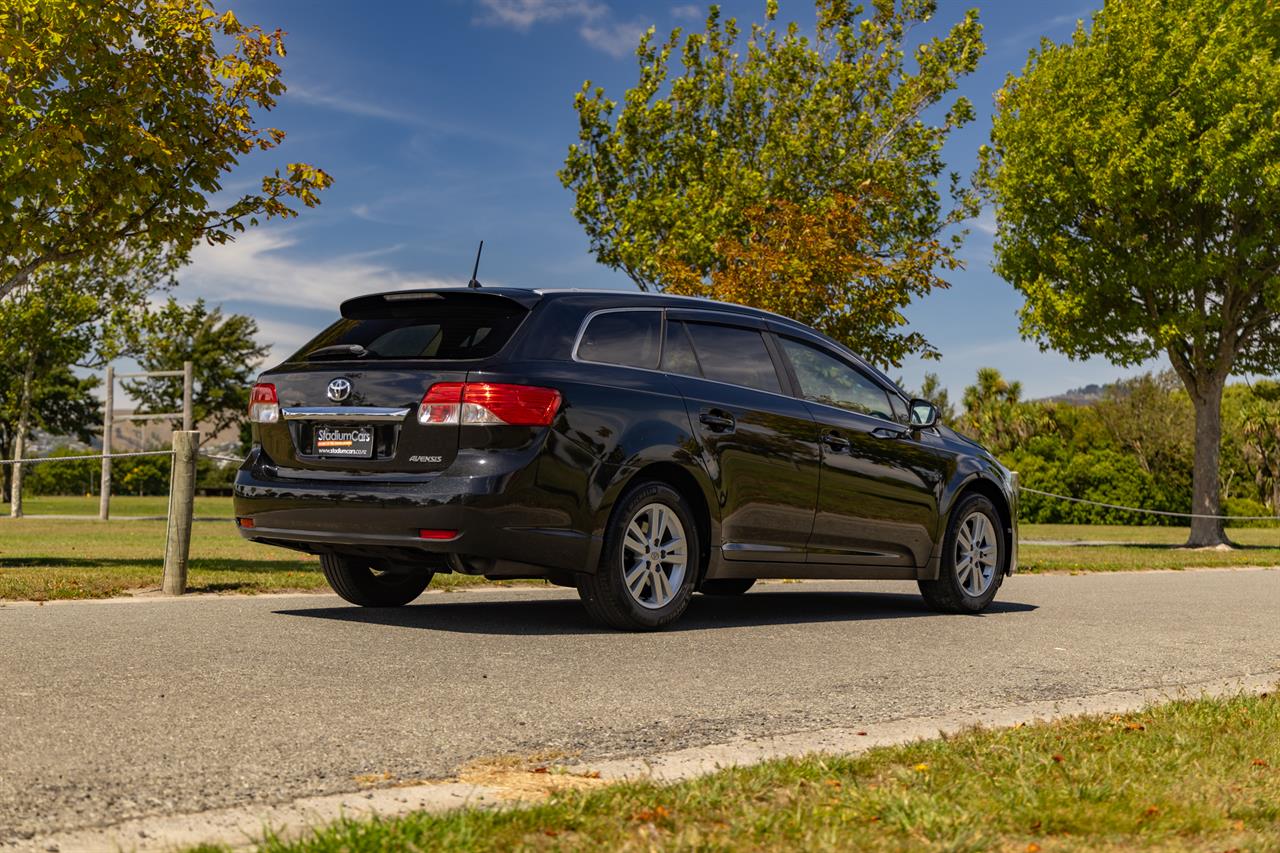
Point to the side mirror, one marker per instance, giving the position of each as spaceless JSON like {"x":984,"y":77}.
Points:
{"x":924,"y":414}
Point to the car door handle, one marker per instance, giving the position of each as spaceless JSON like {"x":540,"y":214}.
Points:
{"x":888,"y":432}
{"x":836,"y":442}
{"x":717,"y":421}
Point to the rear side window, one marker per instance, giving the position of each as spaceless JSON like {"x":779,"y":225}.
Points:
{"x":736,"y":356}
{"x":430,"y":332}
{"x":630,"y":338}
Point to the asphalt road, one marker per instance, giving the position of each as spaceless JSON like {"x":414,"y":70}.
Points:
{"x":111,"y":710}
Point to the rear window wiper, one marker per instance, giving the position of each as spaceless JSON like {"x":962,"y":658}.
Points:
{"x":337,"y":351}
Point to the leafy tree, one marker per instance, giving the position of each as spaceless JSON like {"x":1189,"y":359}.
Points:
{"x":995,"y":415}
{"x":224,"y":354}
{"x":1258,"y":421}
{"x":63,"y":323}
{"x":670,"y":181}
{"x":1134,"y":175}
{"x":58,"y":402}
{"x":1150,"y":417}
{"x":118,"y":121}
{"x":823,"y":269}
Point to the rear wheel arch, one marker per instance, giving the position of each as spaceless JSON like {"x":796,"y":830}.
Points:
{"x":678,"y":478}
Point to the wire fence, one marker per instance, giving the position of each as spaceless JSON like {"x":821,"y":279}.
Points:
{"x":81,"y":456}
{"x":222,"y":457}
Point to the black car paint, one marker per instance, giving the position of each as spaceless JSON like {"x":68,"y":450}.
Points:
{"x":535,"y":501}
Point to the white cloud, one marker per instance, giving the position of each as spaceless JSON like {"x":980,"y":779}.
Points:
{"x":986,"y":222}
{"x":687,"y":12}
{"x":523,"y":14}
{"x":353,"y":106}
{"x":597,"y":24}
{"x":616,"y":38}
{"x":256,"y":268}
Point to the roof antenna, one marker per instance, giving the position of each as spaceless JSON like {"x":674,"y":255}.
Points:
{"x":474,"y":281}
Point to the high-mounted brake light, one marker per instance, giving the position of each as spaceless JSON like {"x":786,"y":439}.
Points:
{"x":488,"y":404}
{"x":264,"y":405}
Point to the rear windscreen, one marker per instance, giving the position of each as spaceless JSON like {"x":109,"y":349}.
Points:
{"x":440,"y":331}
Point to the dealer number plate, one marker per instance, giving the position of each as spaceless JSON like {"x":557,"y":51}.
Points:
{"x":346,"y":442}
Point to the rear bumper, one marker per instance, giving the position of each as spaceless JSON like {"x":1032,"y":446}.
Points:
{"x":505,"y":524}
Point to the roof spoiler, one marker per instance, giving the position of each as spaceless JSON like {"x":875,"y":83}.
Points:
{"x":401,"y":302}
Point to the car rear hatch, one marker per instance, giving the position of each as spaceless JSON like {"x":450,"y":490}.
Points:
{"x":351,"y":401}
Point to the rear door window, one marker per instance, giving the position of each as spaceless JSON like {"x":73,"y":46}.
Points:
{"x":629,"y":338}
{"x":734,"y":355}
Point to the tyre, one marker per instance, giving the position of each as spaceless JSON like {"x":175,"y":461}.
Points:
{"x":359,"y":583}
{"x":973,"y":559}
{"x":727,"y":586}
{"x":648,"y":565}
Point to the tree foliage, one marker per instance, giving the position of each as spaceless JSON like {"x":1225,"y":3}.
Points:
{"x":696,"y":162}
{"x":822,"y":268}
{"x":994,"y":414}
{"x":74,"y":316}
{"x":1136,"y":176}
{"x":225,"y":356}
{"x":118,"y":122}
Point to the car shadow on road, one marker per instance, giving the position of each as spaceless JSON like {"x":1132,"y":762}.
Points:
{"x":544,"y":616}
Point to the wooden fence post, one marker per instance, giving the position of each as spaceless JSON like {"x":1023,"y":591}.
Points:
{"x":182,"y":487}
{"x":104,"y":495}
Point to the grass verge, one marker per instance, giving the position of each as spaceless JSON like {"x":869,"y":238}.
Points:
{"x":1192,"y":775}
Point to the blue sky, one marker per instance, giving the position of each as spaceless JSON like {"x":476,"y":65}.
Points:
{"x":444,"y":122}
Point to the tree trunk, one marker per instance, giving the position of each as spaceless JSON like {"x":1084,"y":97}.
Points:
{"x":20,"y":440}
{"x":1207,"y":400}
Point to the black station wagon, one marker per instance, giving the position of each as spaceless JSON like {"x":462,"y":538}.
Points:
{"x":637,"y":447}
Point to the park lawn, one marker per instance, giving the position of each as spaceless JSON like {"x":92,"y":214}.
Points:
{"x":46,"y":559}
{"x":1138,"y":548}
{"x":122,"y":506}
{"x":1267,"y":536}
{"x":1188,"y":775}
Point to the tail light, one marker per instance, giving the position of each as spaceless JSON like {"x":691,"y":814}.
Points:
{"x":488,"y":404}
{"x":264,"y":405}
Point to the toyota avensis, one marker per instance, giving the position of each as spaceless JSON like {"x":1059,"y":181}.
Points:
{"x":637,"y":447}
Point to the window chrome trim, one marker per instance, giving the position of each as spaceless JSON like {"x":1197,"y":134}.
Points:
{"x":344,"y":414}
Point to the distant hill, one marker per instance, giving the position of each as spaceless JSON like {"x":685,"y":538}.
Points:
{"x":1086,"y":396}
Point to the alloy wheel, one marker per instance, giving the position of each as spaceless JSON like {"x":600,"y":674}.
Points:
{"x":655,"y":556}
{"x":976,"y":554}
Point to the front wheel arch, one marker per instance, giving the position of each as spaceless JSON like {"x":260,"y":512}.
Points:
{"x":980,"y":485}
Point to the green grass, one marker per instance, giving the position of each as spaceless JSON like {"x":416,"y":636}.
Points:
{"x":121,"y":506}
{"x":45,"y":559}
{"x":1149,"y":548}
{"x":1269,"y":537}
{"x":1194,"y":775}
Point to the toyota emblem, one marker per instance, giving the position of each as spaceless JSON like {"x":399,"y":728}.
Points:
{"x":339,"y":389}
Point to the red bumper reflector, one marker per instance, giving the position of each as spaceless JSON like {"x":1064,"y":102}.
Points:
{"x":244,"y":522}
{"x":437,"y":534}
